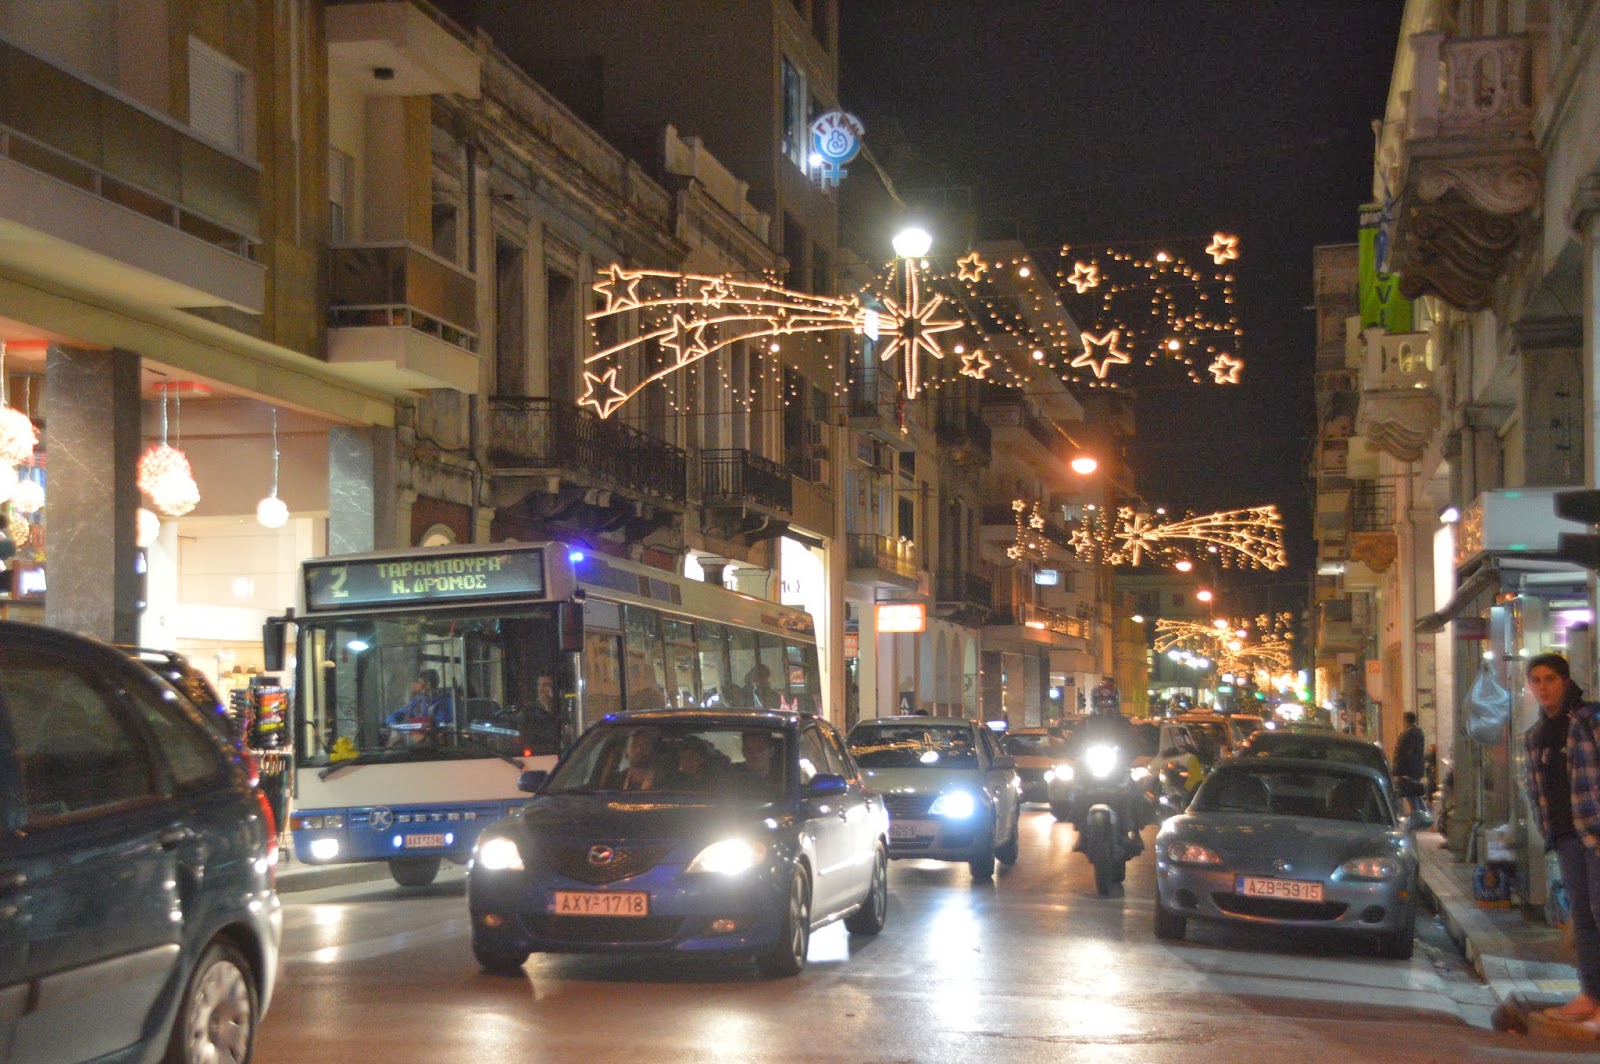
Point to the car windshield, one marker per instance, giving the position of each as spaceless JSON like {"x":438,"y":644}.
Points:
{"x":1312,"y":748}
{"x":1210,"y":736}
{"x":1146,"y":740}
{"x":722,"y":761}
{"x":1032,"y":744}
{"x":913,"y":746}
{"x":1292,"y":790}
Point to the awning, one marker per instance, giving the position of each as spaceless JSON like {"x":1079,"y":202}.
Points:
{"x":1465,"y":594}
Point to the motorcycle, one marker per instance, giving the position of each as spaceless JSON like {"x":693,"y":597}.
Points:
{"x":1102,"y":797}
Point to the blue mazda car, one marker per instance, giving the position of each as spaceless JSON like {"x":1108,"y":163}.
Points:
{"x":687,"y":831}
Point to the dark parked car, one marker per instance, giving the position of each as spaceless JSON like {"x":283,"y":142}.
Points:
{"x":689,"y":831}
{"x":137,"y":911}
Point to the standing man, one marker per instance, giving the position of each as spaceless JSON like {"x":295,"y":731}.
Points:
{"x":1564,"y":792}
{"x":1410,"y":762}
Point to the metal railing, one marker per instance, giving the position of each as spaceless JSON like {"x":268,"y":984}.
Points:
{"x":964,"y":587}
{"x":1008,"y":413}
{"x":1372,"y":507}
{"x":970,"y":430}
{"x":883,"y":553}
{"x":552,"y":435}
{"x":401,"y":284}
{"x":1028,"y":615}
{"x":734,"y":475}
{"x":90,"y":136}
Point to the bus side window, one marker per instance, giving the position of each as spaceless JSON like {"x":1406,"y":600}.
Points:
{"x":712,"y":643}
{"x":802,"y":684}
{"x":645,"y":675}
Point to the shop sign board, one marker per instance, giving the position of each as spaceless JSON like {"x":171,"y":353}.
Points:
{"x":905,"y":617}
{"x":399,"y":581}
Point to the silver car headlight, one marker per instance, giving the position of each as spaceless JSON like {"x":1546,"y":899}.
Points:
{"x":729,"y":857}
{"x":957,"y":805}
{"x":1370,"y":868}
{"x":1063,"y":773}
{"x":497,"y":853}
{"x":1190,"y":853}
{"x":1100,"y":760}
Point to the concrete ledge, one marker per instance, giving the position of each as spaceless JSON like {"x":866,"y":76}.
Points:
{"x":297,"y":877}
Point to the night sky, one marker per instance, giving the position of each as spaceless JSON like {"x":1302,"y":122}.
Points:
{"x":1091,"y":121}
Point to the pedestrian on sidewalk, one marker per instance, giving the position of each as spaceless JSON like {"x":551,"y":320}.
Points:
{"x":1410,"y":762}
{"x":1564,"y":792}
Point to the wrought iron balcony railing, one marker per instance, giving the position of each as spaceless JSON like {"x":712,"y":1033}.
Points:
{"x":549,"y":435}
{"x":967,"y":588}
{"x":733,"y":476}
{"x":883,"y":553}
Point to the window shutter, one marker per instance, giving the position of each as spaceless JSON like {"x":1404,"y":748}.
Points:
{"x":216,"y":97}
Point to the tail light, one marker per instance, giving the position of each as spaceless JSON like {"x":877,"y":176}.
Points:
{"x":272,"y":838}
{"x":252,"y":765}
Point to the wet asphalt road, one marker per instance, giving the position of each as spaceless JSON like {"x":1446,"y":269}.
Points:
{"x":1033,"y":967}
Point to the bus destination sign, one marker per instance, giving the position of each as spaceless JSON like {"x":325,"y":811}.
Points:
{"x":338,"y":585}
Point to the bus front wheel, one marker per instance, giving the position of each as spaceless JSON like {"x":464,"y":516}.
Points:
{"x":414,"y":871}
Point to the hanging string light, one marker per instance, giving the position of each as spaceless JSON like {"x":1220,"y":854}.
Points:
{"x":18,"y":437}
{"x":165,"y":476}
{"x":271,"y":511}
{"x":1242,"y":539}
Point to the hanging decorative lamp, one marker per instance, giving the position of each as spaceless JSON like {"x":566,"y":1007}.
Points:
{"x":28,"y":497}
{"x":165,"y":476}
{"x":18,"y":437}
{"x":271,"y":511}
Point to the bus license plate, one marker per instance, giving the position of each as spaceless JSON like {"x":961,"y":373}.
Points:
{"x":596,"y":903}
{"x":1290,"y":889}
{"x":421,"y":842}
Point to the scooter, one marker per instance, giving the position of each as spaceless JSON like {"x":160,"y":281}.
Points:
{"x":1106,"y":806}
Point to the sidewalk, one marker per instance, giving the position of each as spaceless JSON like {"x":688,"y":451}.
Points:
{"x":1527,"y":965}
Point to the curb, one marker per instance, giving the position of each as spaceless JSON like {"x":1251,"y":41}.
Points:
{"x":298,"y":877}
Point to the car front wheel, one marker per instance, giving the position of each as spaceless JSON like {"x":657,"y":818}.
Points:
{"x":788,"y":955}
{"x":498,"y":960}
{"x":216,"y":1021}
{"x":1169,"y":925}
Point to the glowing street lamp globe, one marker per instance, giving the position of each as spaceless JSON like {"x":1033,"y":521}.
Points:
{"x":912,"y":242}
{"x":1083,"y":465}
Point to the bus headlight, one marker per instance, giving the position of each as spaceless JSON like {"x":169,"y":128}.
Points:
{"x":496,"y":853}
{"x":324,"y":849}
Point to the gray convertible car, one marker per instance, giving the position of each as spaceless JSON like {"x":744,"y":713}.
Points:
{"x":1292,"y":843}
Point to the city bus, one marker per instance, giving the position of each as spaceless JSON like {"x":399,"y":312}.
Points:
{"x":425,"y":681}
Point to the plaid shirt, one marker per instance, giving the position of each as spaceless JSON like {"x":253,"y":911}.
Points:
{"x":1583,"y":768}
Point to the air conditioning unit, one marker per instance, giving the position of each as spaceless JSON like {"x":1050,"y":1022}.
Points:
{"x":814,"y":433}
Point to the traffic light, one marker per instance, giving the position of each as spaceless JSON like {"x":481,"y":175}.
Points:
{"x":1579,"y":548}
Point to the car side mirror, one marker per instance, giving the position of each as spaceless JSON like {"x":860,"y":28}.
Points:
{"x":532,"y":780}
{"x":1419,"y":820}
{"x":826,"y":785}
{"x":1003,"y":764}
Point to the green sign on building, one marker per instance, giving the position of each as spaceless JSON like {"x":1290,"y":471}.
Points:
{"x":1382,"y":304}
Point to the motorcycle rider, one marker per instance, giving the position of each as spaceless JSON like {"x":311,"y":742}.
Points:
{"x":1106,"y":726}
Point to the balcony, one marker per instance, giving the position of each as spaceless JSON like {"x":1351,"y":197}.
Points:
{"x":1016,"y":427}
{"x":963,"y":590}
{"x":423,"y":56}
{"x":1399,"y":409}
{"x":551,"y":438}
{"x":1026,"y":623}
{"x":881,"y":561}
{"x":129,"y":202}
{"x":966,"y":440}
{"x":403,"y":317}
{"x":999,"y":531}
{"x":736,"y":479}
{"x":874,"y":406}
{"x":1468,"y":171}
{"x":1336,"y":629}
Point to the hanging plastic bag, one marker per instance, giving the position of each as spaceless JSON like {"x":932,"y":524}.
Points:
{"x":1488,"y":707}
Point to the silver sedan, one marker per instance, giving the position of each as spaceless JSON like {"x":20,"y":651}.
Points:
{"x":1293,"y":843}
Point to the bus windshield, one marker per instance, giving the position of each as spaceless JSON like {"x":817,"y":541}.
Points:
{"x":421,"y":687}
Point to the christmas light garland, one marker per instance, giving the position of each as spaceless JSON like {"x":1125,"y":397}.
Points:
{"x":1250,"y":538}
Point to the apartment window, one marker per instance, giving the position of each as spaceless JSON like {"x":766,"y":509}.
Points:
{"x":795,"y":442}
{"x":341,"y":191}
{"x":451,"y":197}
{"x":908,"y":519}
{"x":794,"y":114}
{"x":794,"y":249}
{"x":510,"y":319}
{"x":217,"y":90}
{"x":560,"y":294}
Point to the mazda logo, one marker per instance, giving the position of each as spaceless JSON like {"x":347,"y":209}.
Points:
{"x":1282,"y":866}
{"x":601,"y":855}
{"x":382,"y":818}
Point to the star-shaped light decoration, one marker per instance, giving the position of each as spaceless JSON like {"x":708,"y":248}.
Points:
{"x":1223,"y":248}
{"x":971,"y":267}
{"x":715,"y":292}
{"x":1112,"y":356}
{"x":912,"y":329}
{"x":975,"y":364}
{"x":620,"y":288}
{"x":687,"y":340}
{"x":1134,"y":533}
{"x":613,"y":397}
{"x":1225,"y":369}
{"x":1085,"y":276}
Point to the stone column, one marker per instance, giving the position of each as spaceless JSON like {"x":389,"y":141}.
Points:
{"x":1582,"y":215}
{"x":92,"y":437}
{"x":362,"y":504}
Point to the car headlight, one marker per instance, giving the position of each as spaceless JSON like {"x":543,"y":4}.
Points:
{"x":1191,"y":854}
{"x":1100,"y":760}
{"x":1064,"y":773}
{"x":729,"y":857}
{"x":497,"y":853}
{"x":957,"y":805}
{"x":1370,"y":868}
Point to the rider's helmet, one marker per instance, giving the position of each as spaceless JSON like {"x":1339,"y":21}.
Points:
{"x":1104,"y":701}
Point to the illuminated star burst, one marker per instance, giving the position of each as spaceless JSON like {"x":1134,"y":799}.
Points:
{"x":975,"y":364}
{"x":1244,"y":539}
{"x":912,"y":329}
{"x":1029,"y":541}
{"x":605,"y":404}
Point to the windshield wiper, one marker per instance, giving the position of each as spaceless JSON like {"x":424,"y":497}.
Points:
{"x":466,"y":738}
{"x":352,"y":762}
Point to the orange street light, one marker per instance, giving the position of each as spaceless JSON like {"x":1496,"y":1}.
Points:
{"x":1203,"y":595}
{"x":1083,"y":465}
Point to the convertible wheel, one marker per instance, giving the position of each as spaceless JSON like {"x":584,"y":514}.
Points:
{"x":788,"y":956}
{"x":1169,"y":925}
{"x":216,"y":1022}
{"x":414,"y":871}
{"x":869,"y":919}
{"x":1398,"y":945}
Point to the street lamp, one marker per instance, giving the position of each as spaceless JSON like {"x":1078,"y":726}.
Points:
{"x":1084,"y":464}
{"x":1203,"y":595}
{"x":912,"y":242}
{"x":1183,"y":565}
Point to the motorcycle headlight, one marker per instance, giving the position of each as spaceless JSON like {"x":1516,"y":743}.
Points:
{"x":957,"y":805}
{"x":729,"y":857}
{"x":1140,"y":774}
{"x":1064,"y":773}
{"x":1190,"y":853}
{"x":1101,"y":761}
{"x":497,"y":853}
{"x":1370,"y":868}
